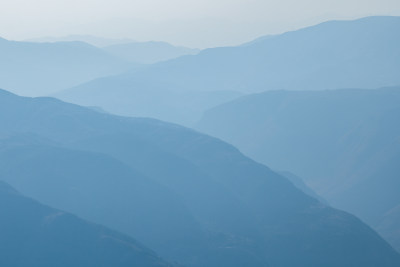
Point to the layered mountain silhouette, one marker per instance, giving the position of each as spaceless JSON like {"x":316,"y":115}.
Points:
{"x":43,"y":68}
{"x":33,"y":234}
{"x":364,"y":53}
{"x":192,"y":198}
{"x":344,"y":143}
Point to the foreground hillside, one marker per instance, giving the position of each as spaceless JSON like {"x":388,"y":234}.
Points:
{"x":35,"y":235}
{"x":190,"y":197}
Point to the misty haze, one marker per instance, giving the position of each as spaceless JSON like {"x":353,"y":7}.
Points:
{"x":256,"y":133}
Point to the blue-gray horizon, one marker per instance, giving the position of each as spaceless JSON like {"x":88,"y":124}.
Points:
{"x":193,"y":23}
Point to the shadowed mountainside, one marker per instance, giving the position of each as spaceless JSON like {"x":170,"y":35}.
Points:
{"x":36,"y":235}
{"x":240,"y":212}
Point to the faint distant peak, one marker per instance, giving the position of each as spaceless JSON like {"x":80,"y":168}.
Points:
{"x":90,"y":39}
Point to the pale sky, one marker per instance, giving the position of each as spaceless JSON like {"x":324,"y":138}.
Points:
{"x":193,"y":23}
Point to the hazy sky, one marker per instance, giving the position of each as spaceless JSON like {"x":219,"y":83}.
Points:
{"x":196,"y":23}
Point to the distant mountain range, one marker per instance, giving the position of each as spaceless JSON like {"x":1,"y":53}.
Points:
{"x":33,"y":234}
{"x":192,"y":198}
{"x":42,"y":68}
{"x":363,"y":53}
{"x":344,"y":143}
